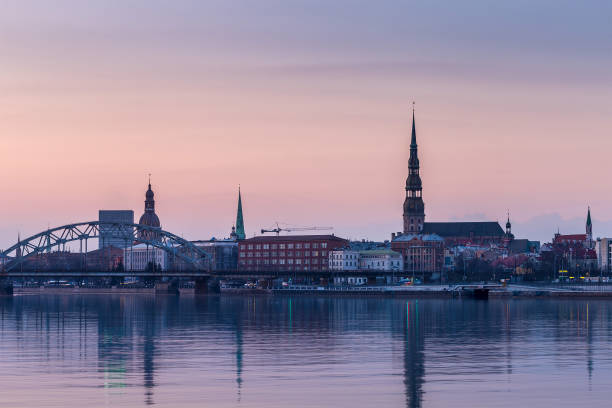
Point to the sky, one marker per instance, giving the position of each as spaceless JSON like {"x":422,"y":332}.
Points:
{"x":307,"y":106}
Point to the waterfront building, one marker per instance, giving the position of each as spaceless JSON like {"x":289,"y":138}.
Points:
{"x":149,"y":217}
{"x":344,"y":259}
{"x":603,"y":249}
{"x":454,"y":233}
{"x":574,"y":252}
{"x":287,"y":253}
{"x":523,"y":246}
{"x":222,"y":253}
{"x":423,"y":254}
{"x":141,"y":257}
{"x":115,"y":236}
{"x":381,"y":260}
{"x":108,"y":258}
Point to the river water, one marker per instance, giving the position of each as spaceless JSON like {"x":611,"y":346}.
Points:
{"x":266,"y":351}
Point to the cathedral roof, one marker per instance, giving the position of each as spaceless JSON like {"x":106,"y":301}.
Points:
{"x":463,"y":229}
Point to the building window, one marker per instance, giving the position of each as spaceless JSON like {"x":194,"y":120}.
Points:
{"x":281,"y":261}
{"x":257,"y":254}
{"x":315,"y":253}
{"x":242,"y":254}
{"x":274,"y":246}
{"x":250,"y":246}
{"x":281,"y":253}
{"x":298,"y":246}
{"x":274,"y":262}
{"x":297,"y":253}
{"x":306,"y":253}
{"x":266,"y":254}
{"x":258,"y":246}
{"x":315,"y":245}
{"x":306,"y":245}
{"x":289,"y":246}
{"x":281,"y":246}
{"x":298,"y":261}
{"x":290,"y":261}
{"x":250,"y":254}
{"x":324,"y":245}
{"x":289,"y":253}
{"x":266,"y":246}
{"x":274,"y":254}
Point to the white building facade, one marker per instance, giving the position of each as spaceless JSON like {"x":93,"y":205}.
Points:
{"x":137,"y":257}
{"x":603,"y":248}
{"x":381,"y":260}
{"x":343,"y":260}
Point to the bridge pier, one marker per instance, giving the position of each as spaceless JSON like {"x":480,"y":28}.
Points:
{"x":201,"y":286}
{"x":167,"y":288}
{"x":6,"y":288}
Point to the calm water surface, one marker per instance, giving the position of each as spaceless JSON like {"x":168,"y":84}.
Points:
{"x":228,"y":351}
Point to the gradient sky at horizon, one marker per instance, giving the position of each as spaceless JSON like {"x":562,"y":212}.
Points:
{"x":306,"y":105}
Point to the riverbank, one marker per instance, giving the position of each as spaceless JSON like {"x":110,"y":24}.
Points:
{"x":47,"y":290}
{"x":429,"y":291}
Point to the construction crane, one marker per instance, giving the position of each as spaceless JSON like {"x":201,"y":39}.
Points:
{"x":278,"y":229}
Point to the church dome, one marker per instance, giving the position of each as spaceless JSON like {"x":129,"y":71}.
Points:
{"x":149,"y":218}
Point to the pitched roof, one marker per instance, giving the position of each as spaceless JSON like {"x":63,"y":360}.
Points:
{"x":423,"y":237}
{"x":376,"y":252}
{"x":463,"y":229}
{"x":280,"y":238}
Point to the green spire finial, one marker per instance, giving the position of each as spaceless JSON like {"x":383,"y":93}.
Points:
{"x":239,"y":220}
{"x":589,"y":216}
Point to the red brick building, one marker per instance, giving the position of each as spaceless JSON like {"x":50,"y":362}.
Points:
{"x":287,"y":253}
{"x":423,"y":253}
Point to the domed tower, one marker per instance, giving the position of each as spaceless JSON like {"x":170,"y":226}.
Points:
{"x":414,"y":207}
{"x":149,"y":217}
{"x":508,"y":236}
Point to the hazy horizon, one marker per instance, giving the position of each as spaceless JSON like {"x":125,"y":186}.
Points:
{"x":306,"y":105}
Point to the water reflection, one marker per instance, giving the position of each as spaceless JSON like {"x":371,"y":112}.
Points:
{"x":301,"y":351}
{"x":414,"y":366}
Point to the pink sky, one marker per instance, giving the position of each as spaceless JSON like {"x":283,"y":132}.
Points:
{"x":311,"y":119}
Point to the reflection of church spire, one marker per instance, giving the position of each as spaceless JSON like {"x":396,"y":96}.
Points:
{"x":148,"y":357}
{"x":414,"y":366}
{"x":239,"y":358}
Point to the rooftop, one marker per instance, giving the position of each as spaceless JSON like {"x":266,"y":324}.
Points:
{"x":463,"y":229}
{"x":422,"y":237}
{"x":282,"y":238}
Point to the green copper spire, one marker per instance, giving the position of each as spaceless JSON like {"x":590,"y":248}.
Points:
{"x":239,"y":220}
{"x":589,"y":217}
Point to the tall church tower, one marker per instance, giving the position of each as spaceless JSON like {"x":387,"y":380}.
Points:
{"x":589,"y":229}
{"x":414,"y":208}
{"x":239,"y":220}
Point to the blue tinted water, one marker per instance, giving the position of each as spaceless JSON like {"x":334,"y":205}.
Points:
{"x":264,"y":351}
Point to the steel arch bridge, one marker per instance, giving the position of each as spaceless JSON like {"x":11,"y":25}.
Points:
{"x":143,"y":234}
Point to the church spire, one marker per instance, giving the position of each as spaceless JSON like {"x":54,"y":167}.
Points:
{"x":239,"y":220}
{"x":413,"y":143}
{"x":589,"y":226}
{"x":414,"y":208}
